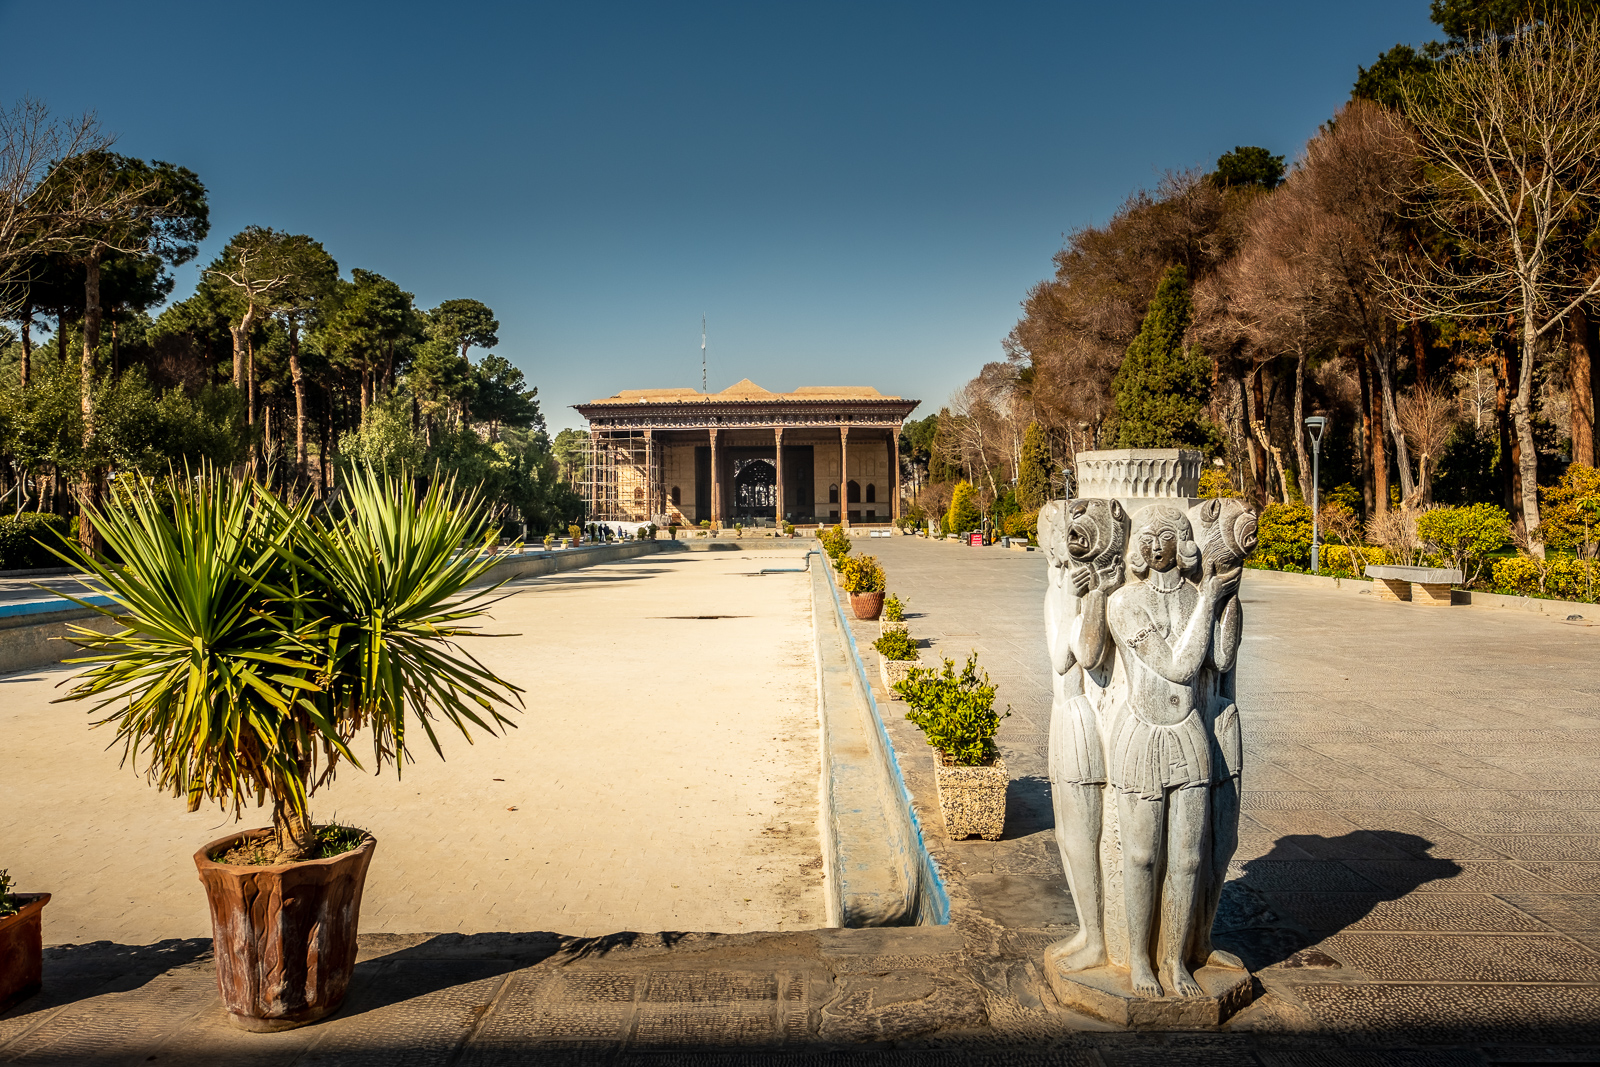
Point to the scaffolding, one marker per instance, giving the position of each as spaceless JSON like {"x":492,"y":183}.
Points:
{"x":622,"y":481}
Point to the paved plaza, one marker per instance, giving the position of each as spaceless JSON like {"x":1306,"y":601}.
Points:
{"x":1417,"y":879}
{"x":663,"y":776}
{"x":1420,"y":844}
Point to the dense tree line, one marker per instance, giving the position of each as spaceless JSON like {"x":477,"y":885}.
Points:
{"x":279,"y":365}
{"x":1425,"y":274}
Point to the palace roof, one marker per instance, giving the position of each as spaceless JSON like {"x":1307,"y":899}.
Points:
{"x":744,"y":390}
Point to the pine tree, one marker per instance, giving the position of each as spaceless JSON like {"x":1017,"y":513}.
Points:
{"x":1033,"y":475}
{"x":1162,"y":388}
{"x":964,"y":514}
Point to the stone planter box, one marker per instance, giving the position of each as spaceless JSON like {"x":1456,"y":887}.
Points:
{"x":284,"y":935}
{"x":895,"y":670}
{"x":885,"y":626}
{"x":22,"y":949}
{"x":972,"y":799}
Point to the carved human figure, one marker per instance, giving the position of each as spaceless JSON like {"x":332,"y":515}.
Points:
{"x":1226,"y":533}
{"x":1089,"y":539}
{"x":1160,"y":765}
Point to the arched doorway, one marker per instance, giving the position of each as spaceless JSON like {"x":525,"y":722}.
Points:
{"x":755,"y":489}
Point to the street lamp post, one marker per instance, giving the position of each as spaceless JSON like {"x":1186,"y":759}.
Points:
{"x":1315,"y":424}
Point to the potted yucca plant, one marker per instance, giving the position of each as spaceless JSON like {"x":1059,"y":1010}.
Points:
{"x":863,"y":579}
{"x":955,"y":713}
{"x":257,"y":640}
{"x":21,"y":942}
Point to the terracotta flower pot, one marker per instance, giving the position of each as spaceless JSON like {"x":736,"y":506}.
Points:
{"x":972,"y":799}
{"x":22,"y":949}
{"x":866,"y":605}
{"x":284,"y":935}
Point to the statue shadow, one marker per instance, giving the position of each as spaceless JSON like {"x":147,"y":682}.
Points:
{"x":1309,"y":887}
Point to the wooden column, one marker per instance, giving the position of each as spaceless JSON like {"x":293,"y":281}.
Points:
{"x":844,"y":476}
{"x":595,"y":489}
{"x":894,"y":480}
{"x":777,"y":440}
{"x":716,"y":484}
{"x":649,"y":475}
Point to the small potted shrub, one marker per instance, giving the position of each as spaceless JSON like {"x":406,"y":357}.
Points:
{"x":705,"y":525}
{"x":257,"y":639}
{"x":894,"y":615}
{"x":836,"y":544}
{"x":549,"y":542}
{"x":672,"y":530}
{"x":788,"y":529}
{"x":574,"y":536}
{"x":21,"y":942}
{"x":897,"y":655}
{"x":955,"y":712}
{"x":863,"y":580}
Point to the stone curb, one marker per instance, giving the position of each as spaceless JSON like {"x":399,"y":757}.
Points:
{"x":880,"y":872}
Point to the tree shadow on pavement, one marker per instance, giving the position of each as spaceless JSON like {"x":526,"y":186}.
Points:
{"x":444,"y":961}
{"x":1309,"y":887}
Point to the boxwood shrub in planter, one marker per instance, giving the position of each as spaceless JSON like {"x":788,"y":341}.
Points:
{"x":836,"y":543}
{"x":257,"y":639}
{"x":956,"y":714}
{"x":897,"y":655}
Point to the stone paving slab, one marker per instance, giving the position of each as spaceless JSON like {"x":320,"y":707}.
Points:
{"x":1385,"y":824}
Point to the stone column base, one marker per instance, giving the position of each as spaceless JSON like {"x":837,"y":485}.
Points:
{"x":1104,"y":993}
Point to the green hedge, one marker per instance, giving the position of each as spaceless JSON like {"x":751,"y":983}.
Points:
{"x":1558,"y":578}
{"x":1283,"y":538}
{"x":20,"y":536}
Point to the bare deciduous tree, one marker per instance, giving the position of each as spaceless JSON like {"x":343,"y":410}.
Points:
{"x":1428,"y":417}
{"x":32,"y":148}
{"x":1510,"y":130}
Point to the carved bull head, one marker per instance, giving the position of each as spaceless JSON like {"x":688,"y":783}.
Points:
{"x":1096,"y":532}
{"x":1226,"y":532}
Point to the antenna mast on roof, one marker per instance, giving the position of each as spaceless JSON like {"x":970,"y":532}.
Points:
{"x":702,"y":353}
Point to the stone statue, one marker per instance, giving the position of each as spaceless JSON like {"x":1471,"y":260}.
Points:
{"x":1226,"y":532}
{"x":1084,"y":549}
{"x":1145,"y":751}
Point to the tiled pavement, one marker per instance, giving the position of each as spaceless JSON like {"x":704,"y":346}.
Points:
{"x":1421,"y":829}
{"x":1416,"y":885}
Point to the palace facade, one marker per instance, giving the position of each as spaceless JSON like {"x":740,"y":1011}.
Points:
{"x":746,"y":455}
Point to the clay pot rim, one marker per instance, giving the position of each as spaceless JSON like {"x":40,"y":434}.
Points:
{"x":27,"y":904}
{"x":203,"y":860}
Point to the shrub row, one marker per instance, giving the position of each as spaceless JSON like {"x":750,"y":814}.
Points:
{"x":1560,"y":578}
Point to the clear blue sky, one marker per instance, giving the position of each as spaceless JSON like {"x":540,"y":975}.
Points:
{"x":852,"y":193}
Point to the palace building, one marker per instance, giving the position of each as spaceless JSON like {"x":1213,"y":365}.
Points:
{"x":746,"y":455}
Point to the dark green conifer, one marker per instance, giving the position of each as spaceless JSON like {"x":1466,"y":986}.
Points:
{"x":1162,"y":387}
{"x":1033,"y":475}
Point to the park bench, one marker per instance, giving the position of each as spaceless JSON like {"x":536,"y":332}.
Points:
{"x":1421,"y":585}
